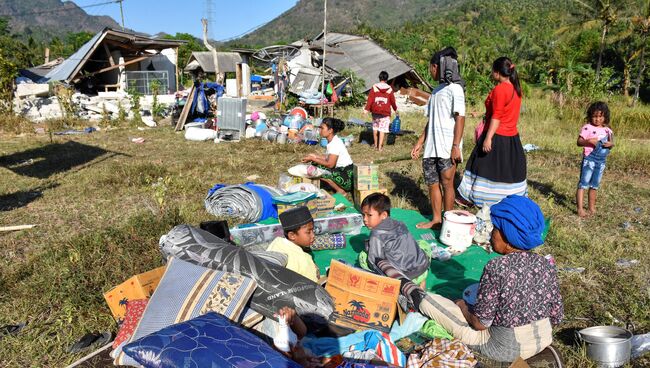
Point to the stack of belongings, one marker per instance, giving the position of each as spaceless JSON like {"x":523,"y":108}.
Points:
{"x":209,"y":294}
{"x":366,"y":182}
{"x":346,"y":223}
{"x":249,"y":202}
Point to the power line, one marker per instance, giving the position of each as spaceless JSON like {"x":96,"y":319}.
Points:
{"x":59,"y":10}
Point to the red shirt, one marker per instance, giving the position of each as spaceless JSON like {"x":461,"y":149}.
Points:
{"x":381,"y":99}
{"x":503,"y":103}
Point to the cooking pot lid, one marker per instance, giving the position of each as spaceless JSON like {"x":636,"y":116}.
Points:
{"x":460,"y":216}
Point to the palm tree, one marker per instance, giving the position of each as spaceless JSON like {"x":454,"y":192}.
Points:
{"x":603,"y":12}
{"x":642,"y":27}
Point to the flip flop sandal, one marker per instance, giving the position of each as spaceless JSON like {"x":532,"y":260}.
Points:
{"x":90,"y":339}
{"x":12,"y":329}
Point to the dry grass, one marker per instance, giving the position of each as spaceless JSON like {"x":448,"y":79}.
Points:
{"x":100,"y":215}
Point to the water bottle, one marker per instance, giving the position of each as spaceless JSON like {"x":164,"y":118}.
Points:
{"x":396,"y":125}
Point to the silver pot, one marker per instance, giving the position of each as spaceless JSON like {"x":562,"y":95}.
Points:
{"x":609,"y":346}
{"x":272,"y":135}
{"x":282,"y":138}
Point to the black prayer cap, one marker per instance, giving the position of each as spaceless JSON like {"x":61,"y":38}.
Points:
{"x":295,"y":218}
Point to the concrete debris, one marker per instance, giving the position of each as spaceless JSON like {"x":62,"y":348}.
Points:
{"x":406,"y":104}
{"x":92,"y":108}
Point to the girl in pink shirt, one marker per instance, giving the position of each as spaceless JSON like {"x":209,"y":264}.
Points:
{"x":597,"y":139}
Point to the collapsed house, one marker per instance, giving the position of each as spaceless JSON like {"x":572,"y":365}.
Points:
{"x":115,"y":60}
{"x":105,"y":67}
{"x":344,"y":52}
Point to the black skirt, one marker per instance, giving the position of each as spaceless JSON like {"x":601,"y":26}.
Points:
{"x":505,"y":163}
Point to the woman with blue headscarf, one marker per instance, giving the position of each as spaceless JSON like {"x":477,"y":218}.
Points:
{"x":518,"y":298}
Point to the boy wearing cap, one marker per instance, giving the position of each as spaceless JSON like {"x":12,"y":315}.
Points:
{"x":298,"y":226}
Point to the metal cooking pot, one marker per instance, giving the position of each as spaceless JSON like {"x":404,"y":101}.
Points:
{"x":609,"y":346}
{"x":282,"y":138}
{"x":272,"y":135}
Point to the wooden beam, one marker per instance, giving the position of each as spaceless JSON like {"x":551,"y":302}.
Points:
{"x":238,"y":77}
{"x":136,"y":60}
{"x":108,"y":53}
{"x":180,"y":124}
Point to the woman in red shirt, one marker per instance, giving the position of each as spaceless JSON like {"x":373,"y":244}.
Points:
{"x":497,"y":166}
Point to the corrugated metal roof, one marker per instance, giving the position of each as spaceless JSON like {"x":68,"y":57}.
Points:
{"x":227,"y":61}
{"x":361,"y":55}
{"x":67,"y":70}
{"x":64,"y":71}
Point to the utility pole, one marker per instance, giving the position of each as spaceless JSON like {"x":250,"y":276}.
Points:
{"x":121,"y":13}
{"x":324,"y":54}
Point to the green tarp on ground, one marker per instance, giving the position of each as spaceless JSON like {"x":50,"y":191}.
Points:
{"x":448,"y":278}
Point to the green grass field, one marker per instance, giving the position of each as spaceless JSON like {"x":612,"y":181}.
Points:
{"x":101,"y":203}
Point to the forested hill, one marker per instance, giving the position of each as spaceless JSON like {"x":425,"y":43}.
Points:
{"x":44,"y":19}
{"x":305,"y":19}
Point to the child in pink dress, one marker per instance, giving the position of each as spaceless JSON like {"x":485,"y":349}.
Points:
{"x":597,"y":139}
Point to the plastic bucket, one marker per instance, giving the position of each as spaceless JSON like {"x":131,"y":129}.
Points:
{"x":458,"y":228}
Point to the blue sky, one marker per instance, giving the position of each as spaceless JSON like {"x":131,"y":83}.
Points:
{"x":231,"y":18}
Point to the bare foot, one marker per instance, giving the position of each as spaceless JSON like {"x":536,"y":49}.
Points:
{"x":591,"y":212}
{"x":582,"y":213}
{"x":433,"y":225}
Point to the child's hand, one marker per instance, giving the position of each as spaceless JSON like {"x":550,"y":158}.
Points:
{"x":288,"y":313}
{"x":608,"y":144}
{"x":593,"y":141}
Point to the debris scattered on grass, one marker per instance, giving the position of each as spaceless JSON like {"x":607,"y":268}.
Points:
{"x":573,"y":269}
{"x":531,"y":147}
{"x":16,"y":227}
{"x":627,"y":262}
{"x":137,"y":140}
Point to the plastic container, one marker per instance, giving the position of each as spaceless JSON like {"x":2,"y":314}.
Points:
{"x":396,"y":125}
{"x":458,"y":229}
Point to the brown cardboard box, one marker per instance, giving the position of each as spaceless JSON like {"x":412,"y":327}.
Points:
{"x":324,"y":204}
{"x":362,"y":300}
{"x":366,"y":177}
{"x":359,"y":195}
{"x":309,"y":204}
{"x":140,"y":286}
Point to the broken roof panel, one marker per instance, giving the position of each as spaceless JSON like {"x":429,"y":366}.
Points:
{"x":64,"y":71}
{"x":363,"y":56}
{"x":68,"y":70}
{"x":203,"y":59}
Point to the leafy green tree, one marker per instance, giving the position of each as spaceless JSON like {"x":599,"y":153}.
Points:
{"x":185,"y":51}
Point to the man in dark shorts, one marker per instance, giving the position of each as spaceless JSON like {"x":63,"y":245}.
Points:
{"x":442,"y":138}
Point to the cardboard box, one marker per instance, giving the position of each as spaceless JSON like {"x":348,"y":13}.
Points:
{"x":298,"y":180}
{"x":366,"y":177}
{"x":140,"y":286}
{"x":360,"y":195}
{"x":309,"y":204}
{"x":362,"y":300}
{"x":324,"y":204}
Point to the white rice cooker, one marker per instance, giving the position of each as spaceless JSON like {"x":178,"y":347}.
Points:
{"x":458,"y":228}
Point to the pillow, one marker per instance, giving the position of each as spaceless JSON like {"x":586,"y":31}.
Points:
{"x":210,"y":340}
{"x":278,"y":286}
{"x":134,"y":310}
{"x":187,"y":291}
